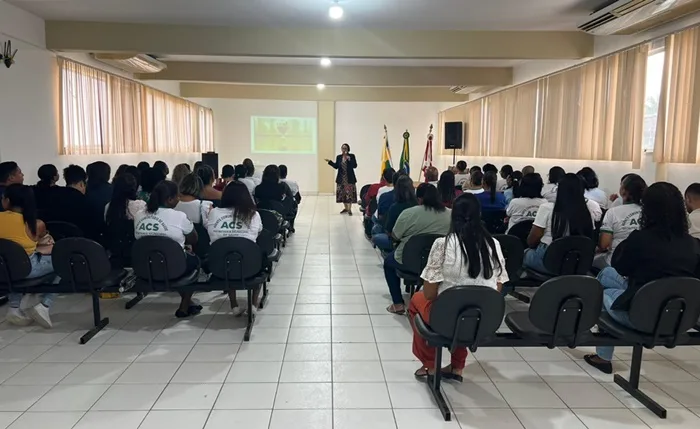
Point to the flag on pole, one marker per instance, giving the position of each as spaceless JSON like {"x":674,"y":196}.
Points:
{"x":428,"y":156}
{"x":405,"y":161}
{"x":386,"y":153}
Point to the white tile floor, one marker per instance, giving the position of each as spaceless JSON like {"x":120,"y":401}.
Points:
{"x":324,"y":354}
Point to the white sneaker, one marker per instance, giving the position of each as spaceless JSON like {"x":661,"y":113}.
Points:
{"x":40,"y":314}
{"x":237,"y":311}
{"x":16,"y":316}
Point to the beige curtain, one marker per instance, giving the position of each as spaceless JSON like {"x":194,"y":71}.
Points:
{"x":102,"y":113}
{"x":471,"y":114}
{"x":512,"y":121}
{"x":679,"y":103}
{"x":595,"y":111}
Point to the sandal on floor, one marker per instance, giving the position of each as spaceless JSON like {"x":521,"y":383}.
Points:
{"x":604,"y":367}
{"x":392,"y":309}
{"x":422,"y":376}
{"x":452,"y":376}
{"x":344,"y":211}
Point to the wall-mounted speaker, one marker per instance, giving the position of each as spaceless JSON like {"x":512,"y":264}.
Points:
{"x":454,"y":133}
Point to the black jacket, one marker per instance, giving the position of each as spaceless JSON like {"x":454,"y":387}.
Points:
{"x":70,"y":205}
{"x":351,"y":166}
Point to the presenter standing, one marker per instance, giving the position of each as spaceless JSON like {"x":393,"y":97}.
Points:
{"x":345,"y":190}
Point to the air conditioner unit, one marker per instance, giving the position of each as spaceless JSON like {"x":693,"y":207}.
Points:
{"x":632,"y":16}
{"x":466,"y":90}
{"x":132,"y":63}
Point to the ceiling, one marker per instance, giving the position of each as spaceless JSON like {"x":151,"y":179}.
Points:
{"x":507,"y":15}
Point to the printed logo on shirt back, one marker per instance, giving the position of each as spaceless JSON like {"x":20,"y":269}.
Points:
{"x":151,"y":225}
{"x":227,"y":225}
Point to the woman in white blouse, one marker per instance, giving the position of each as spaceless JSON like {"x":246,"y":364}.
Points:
{"x":468,"y":256}
{"x":593,"y":192}
{"x":529,"y":200}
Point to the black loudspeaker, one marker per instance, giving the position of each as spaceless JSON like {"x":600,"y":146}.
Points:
{"x":454,"y":132}
{"x":212,"y":160}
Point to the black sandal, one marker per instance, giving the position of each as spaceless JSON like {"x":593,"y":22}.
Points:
{"x":391,"y":310}
{"x":452,"y":376}
{"x":604,"y":367}
{"x":421,"y":377}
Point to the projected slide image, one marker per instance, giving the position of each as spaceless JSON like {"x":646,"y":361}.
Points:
{"x":273,"y":134}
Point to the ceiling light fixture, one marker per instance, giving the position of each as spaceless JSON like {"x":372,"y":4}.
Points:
{"x":321,"y":86}
{"x":325,"y":62}
{"x":336,"y":12}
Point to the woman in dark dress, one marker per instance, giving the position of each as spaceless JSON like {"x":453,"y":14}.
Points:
{"x":345,"y":190}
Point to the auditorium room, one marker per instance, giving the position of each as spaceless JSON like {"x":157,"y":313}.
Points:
{"x":349,"y":214}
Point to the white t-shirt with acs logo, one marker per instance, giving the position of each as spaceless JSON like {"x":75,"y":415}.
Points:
{"x":221,"y":223}
{"x":163,"y":223}
{"x":620,"y":221}
{"x":521,"y":209}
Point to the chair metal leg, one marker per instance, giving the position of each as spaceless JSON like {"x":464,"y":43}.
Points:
{"x":97,"y":319}
{"x":3,"y":300}
{"x":135,"y":300}
{"x":251,"y":316}
{"x":631,"y":386}
{"x":520,"y":296}
{"x":411,"y":290}
{"x":434,"y":386}
{"x":263,"y":298}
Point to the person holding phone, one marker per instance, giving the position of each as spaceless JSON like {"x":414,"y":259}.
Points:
{"x":346,"y":189}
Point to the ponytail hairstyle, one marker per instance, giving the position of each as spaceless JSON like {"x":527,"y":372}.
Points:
{"x":22,"y":197}
{"x":634,"y":187}
{"x":491,"y":181}
{"x":48,"y":175}
{"x":476,"y":244}
{"x":515,"y":180}
{"x":428,"y":196}
{"x":161,"y":194}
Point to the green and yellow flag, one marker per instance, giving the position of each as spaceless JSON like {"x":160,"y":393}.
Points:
{"x":386,"y":153}
{"x":405,"y":161}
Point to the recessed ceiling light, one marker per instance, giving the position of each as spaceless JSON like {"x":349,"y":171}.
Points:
{"x":336,"y":12}
{"x":325,"y":62}
{"x":321,"y":86}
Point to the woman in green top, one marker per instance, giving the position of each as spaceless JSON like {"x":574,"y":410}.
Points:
{"x":404,"y":198}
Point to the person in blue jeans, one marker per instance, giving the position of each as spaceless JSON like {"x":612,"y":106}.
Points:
{"x":405,"y":197}
{"x":661,"y":248}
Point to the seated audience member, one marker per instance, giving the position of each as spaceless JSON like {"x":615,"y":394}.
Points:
{"x":10,"y":173}
{"x":614,"y":198}
{"x":620,"y":221}
{"x":431,"y":175}
{"x":162,"y":166}
{"x":206,"y":173}
{"x":528,"y":169}
{"x":252,"y":173}
{"x":661,"y":248}
{"x":124,"y":203}
{"x":179,"y":173}
{"x":120,"y":170}
{"x":190,"y":204}
{"x":571,"y":214}
{"x":593,"y":192}
{"x":692,"y":203}
{"x":149,"y":179}
{"x":237,"y":217}
{"x":227,"y":173}
{"x":489,"y":167}
{"x":389,"y":184}
{"x":429,"y":217}
{"x":475,"y":168}
{"x":467,"y":256}
{"x":69,"y":203}
{"x":293,"y":185}
{"x":476,"y":183}
{"x":136,"y":173}
{"x":241,"y":175}
{"x":514,"y":181}
{"x":270,"y":188}
{"x":162,"y":220}
{"x":549,"y":190}
{"x":461,"y":175}
{"x":197,"y":165}
{"x":48,"y":177}
{"x":405,"y":198}
{"x":446,"y":188}
{"x":505,"y":172}
{"x":19,"y":223}
{"x":529,"y":200}
{"x":491,"y":199}
{"x":373,"y":191}
{"x":98,"y":191}
{"x":143,"y":166}
{"x":384,"y":203}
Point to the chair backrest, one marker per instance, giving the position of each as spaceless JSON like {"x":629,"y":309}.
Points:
{"x":80,"y":261}
{"x":522,"y":230}
{"x":235,"y":259}
{"x":570,"y":256}
{"x":565,"y":307}
{"x":373,"y":205}
{"x":266,"y":241}
{"x":363,"y":192}
{"x":269,"y":221}
{"x":666,"y":307}
{"x":467,"y":314}
{"x":60,"y":230}
{"x":14,"y":262}
{"x":158,"y":259}
{"x":494,"y":220}
{"x":288,"y":204}
{"x":272,"y":205}
{"x":416,"y":252}
{"x":513,"y":252}
{"x":201,"y":249}
{"x":119,"y":239}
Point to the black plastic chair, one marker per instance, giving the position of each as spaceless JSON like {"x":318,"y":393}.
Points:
{"x":661,"y":312}
{"x":461,"y":316}
{"x":513,"y":254}
{"x":14,"y":269}
{"x":562,"y":312}
{"x":84,"y":267}
{"x":522,"y":230}
{"x":494,"y":220}
{"x":118,"y":240}
{"x":201,"y":249}
{"x":270,"y":223}
{"x":271,"y":253}
{"x":237,"y":263}
{"x":363,"y":192}
{"x":60,"y":230}
{"x":414,"y":259}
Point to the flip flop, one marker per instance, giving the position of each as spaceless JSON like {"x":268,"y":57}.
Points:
{"x":423,"y":376}
{"x":399,"y":312}
{"x":452,"y":376}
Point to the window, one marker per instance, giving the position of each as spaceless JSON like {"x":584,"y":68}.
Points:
{"x":655,"y":70}
{"x":102,"y":113}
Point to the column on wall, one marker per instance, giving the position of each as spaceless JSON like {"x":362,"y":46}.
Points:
{"x":326,"y":145}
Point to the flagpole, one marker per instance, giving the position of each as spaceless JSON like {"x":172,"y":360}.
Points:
{"x":428,"y":155}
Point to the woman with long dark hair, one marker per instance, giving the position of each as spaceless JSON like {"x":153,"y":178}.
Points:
{"x":404,"y":198}
{"x":120,"y":170}
{"x":124,"y":203}
{"x":161,"y":219}
{"x":491,"y":199}
{"x":270,"y":188}
{"x":98,"y":191}
{"x":571,"y":214}
{"x":592,"y":190}
{"x":549,"y":190}
{"x":529,"y":200}
{"x":467,"y":256}
{"x":19,"y":223}
{"x":446,"y":188}
{"x":661,"y":248}
{"x":208,"y":176}
{"x":235,"y":217}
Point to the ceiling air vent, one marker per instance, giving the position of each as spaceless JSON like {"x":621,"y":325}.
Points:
{"x":132,"y":63}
